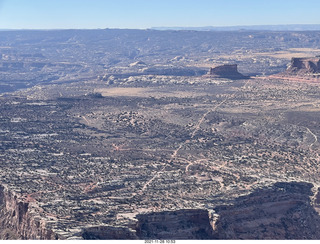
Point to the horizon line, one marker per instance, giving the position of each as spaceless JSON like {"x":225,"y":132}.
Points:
{"x":164,"y":27}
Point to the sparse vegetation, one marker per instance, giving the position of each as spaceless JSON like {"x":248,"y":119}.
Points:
{"x":92,"y":151}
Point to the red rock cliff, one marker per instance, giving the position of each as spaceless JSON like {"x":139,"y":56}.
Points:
{"x":18,"y":220}
{"x":229,"y":71}
{"x":302,"y":70}
{"x":303,"y":66}
{"x":283,"y":211}
{"x":179,"y":225}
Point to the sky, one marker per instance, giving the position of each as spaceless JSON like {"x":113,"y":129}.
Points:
{"x":143,"y":14}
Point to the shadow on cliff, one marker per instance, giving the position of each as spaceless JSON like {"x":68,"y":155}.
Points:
{"x":282,"y":211}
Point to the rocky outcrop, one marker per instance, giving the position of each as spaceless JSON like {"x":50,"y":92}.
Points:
{"x":178,"y":225}
{"x":229,"y":71}
{"x":301,"y":69}
{"x":108,"y":233}
{"x":138,"y":64}
{"x":304,"y":66}
{"x":283,"y":211}
{"x":17,"y":220}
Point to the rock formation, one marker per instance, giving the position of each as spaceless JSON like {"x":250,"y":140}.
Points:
{"x":229,"y":71}
{"x":283,"y":211}
{"x":18,"y":219}
{"x":304,"y":66}
{"x":108,"y":233}
{"x":138,"y":64}
{"x":178,"y":225}
{"x":301,"y":69}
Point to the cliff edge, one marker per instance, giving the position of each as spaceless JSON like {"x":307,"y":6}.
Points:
{"x":301,"y":69}
{"x":304,"y":66}
{"x":229,"y":71}
{"x":285,"y":210}
{"x":282,"y":211}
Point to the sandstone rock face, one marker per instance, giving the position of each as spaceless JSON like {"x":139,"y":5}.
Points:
{"x":229,"y":71}
{"x":304,"y":66}
{"x":17,"y":220}
{"x":283,"y":211}
{"x":301,"y":69}
{"x":178,"y":225}
{"x":108,"y":233}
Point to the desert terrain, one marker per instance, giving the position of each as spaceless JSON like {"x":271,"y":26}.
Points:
{"x":127,"y":134}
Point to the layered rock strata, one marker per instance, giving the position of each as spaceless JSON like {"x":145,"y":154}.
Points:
{"x":285,"y":210}
{"x":301,"y":69}
{"x":18,"y":220}
{"x":304,"y":66}
{"x":229,"y":71}
{"x":180,"y":225}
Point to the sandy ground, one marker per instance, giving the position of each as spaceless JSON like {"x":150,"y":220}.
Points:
{"x":145,"y":92}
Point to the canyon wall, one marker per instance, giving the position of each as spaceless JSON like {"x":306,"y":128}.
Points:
{"x":178,"y":225}
{"x":303,"y":66}
{"x":302,"y":70}
{"x":285,"y":210}
{"x":17,"y":220}
{"x":108,"y":233}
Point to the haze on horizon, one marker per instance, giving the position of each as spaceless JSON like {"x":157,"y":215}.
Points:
{"x":143,"y":14}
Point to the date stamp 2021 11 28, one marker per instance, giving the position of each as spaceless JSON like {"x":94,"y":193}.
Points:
{"x":160,"y":241}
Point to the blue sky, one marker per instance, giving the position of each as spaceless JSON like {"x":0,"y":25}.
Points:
{"x":141,"y":14}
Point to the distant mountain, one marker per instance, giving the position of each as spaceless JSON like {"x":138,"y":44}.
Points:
{"x":246,"y":27}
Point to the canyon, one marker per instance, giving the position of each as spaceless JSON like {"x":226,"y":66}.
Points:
{"x":285,"y":210}
{"x":145,"y":134}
